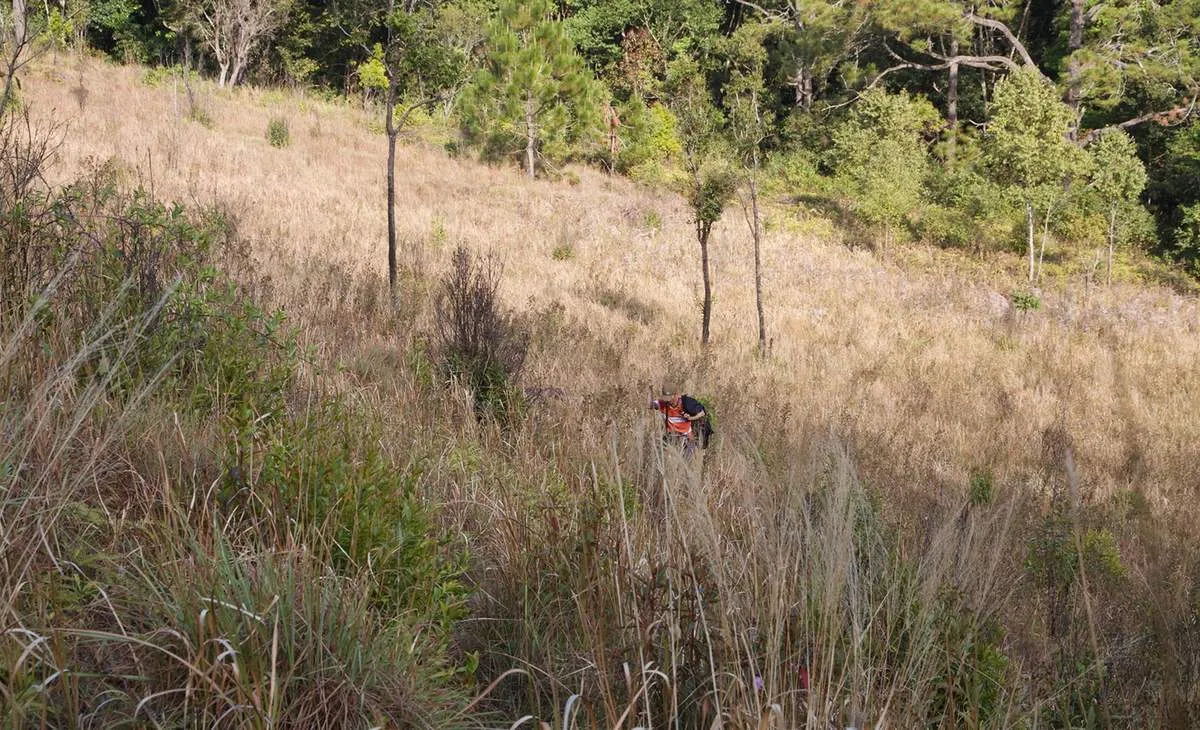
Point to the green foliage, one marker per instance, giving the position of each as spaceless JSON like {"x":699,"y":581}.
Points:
{"x":626,"y":42}
{"x":563,"y":252}
{"x":714,"y":187}
{"x":533,"y":99}
{"x":1118,"y":176}
{"x":982,"y":491}
{"x":278,"y":134}
{"x":749,"y":112}
{"x":1027,"y":149}
{"x":156,"y":76}
{"x":1025,"y":301}
{"x":880,"y":156}
{"x":328,"y":475}
{"x":649,"y":140}
{"x":372,"y":74}
{"x":1186,"y":236}
{"x":700,"y":122}
{"x":59,"y":28}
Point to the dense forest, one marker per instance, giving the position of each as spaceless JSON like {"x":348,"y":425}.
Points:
{"x":969,"y":124}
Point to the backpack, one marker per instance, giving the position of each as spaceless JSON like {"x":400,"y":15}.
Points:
{"x":704,"y":428}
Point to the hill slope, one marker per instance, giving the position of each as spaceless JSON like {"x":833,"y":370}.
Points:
{"x":905,"y":413}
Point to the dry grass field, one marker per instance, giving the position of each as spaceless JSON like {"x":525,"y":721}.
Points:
{"x":851,"y":459}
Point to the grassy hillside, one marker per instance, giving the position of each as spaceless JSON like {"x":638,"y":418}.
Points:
{"x":925,"y":507}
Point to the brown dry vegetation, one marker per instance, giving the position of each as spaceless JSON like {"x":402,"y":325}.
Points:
{"x":843,"y":475}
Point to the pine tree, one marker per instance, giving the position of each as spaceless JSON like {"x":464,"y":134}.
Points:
{"x":533,"y":95}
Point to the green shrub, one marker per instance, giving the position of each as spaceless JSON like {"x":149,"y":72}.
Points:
{"x":880,"y":158}
{"x":1025,"y":301}
{"x":277,"y":132}
{"x":981,"y":490}
{"x":563,"y":252}
{"x":650,"y":140}
{"x":156,"y":76}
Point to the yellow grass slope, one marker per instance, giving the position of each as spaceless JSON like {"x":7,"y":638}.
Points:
{"x":926,"y":373}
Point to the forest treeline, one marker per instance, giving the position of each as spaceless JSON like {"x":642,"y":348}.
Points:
{"x":1010,"y":123}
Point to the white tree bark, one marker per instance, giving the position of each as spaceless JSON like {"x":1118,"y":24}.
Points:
{"x":233,"y":29}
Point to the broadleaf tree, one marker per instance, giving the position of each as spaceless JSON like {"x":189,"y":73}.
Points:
{"x":750,"y":128}
{"x":880,"y":156}
{"x":401,"y":40}
{"x":533,"y":97}
{"x":709,"y":180}
{"x":234,"y":30}
{"x":1118,"y":177}
{"x":1028,"y":150}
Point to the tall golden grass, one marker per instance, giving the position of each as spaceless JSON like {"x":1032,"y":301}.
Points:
{"x":833,"y":522}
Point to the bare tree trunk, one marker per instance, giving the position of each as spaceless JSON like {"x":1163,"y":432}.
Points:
{"x":952,"y":107}
{"x":224,"y":75}
{"x":1029,"y":230}
{"x":1045,"y":235}
{"x":390,"y":126}
{"x":239,"y":69}
{"x":530,"y":135}
{"x":705,"y":229}
{"x":756,"y":231}
{"x":1112,"y":240}
{"x":19,"y":27}
{"x":1074,"y":43}
{"x":802,"y":82}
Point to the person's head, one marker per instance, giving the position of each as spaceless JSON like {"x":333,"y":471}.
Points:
{"x":671,"y":392}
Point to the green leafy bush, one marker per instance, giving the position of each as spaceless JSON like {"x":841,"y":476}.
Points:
{"x":277,"y":132}
{"x":880,"y":156}
{"x":1024,"y":301}
{"x":648,"y":142}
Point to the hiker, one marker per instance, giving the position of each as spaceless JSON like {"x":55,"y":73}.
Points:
{"x":683,"y":417}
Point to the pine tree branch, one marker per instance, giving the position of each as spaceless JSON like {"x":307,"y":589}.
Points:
{"x":1167,"y":118}
{"x":1007,"y":33}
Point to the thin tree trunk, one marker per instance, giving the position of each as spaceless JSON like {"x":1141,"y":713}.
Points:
{"x":1045,"y":235}
{"x":1074,"y":81}
{"x":19,"y":27}
{"x":756,"y":230}
{"x":390,"y":128}
{"x":1029,"y":231}
{"x":952,"y":107}
{"x":1112,"y":239}
{"x":390,"y":125}
{"x":530,"y":135}
{"x":704,"y":230}
{"x":221,"y":78}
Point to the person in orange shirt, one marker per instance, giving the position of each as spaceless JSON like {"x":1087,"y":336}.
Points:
{"x":680,"y":414}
